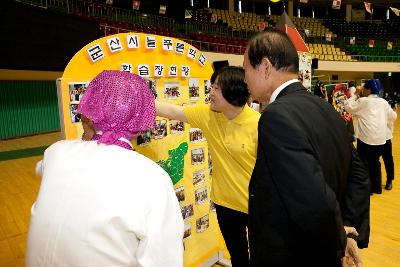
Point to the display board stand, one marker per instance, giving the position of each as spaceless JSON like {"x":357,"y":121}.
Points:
{"x":177,"y":73}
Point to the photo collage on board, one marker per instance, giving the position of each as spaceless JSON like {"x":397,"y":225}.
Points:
{"x":76,"y":90}
{"x":174,"y":91}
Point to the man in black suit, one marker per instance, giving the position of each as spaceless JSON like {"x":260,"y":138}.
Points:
{"x":306,"y":184}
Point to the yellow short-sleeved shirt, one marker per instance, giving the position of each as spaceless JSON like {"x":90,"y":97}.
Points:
{"x":233,"y":145}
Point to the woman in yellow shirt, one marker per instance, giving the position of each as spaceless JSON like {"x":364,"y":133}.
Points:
{"x":230,"y":127}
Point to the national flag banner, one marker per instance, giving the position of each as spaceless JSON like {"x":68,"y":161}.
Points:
{"x":328,"y":36}
{"x":371,"y":43}
{"x":395,"y":10}
{"x":389,"y":45}
{"x":368,"y":7}
{"x":109,"y":2}
{"x":163,"y":9}
{"x":188,"y":14}
{"x":136,"y":5}
{"x":336,"y":4}
{"x":304,"y":1}
{"x":353,"y":40}
{"x":214,"y":18}
{"x":261,"y":26}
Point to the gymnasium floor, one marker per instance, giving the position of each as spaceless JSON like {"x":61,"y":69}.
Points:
{"x":19,"y":186}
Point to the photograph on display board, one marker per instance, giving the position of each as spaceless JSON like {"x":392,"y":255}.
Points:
{"x":187,"y":211}
{"x":144,"y":138}
{"x":75,"y":117}
{"x":76,"y":91}
{"x":198,"y":156}
{"x":201,"y":195}
{"x":207,"y":91}
{"x":196,"y":135}
{"x":160,"y":129}
{"x":199,"y":177}
{"x":305,"y":70}
{"x":171,"y":90}
{"x":202,"y":224}
{"x":188,"y":231}
{"x":153,"y":86}
{"x":180,"y":193}
{"x":212,"y":206}
{"x":176,"y":127}
{"x":194,"y":88}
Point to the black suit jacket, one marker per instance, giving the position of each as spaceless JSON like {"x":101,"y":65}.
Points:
{"x":299,"y":181}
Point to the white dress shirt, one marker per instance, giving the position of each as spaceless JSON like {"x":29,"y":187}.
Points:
{"x":373,"y":115}
{"x":103,"y":205}
{"x":280,"y":88}
{"x":389,"y":130}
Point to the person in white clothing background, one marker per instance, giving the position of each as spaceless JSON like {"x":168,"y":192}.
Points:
{"x":387,"y":156}
{"x":352,"y":88}
{"x":115,"y":207}
{"x":373,"y":114}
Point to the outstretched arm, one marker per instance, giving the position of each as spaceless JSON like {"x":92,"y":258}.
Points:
{"x":170,"y":111}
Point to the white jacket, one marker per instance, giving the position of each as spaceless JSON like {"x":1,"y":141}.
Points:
{"x":102,"y":205}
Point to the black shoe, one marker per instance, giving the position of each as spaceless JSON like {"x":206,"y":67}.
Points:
{"x":389,"y":185}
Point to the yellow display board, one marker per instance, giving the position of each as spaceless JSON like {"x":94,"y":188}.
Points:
{"x":177,"y":73}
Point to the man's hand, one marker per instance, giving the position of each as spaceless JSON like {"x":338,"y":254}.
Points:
{"x":350,"y":230}
{"x":351,"y":257}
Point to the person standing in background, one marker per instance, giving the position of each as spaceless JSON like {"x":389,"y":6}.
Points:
{"x":352,"y":88}
{"x":387,"y":156}
{"x":373,"y":115}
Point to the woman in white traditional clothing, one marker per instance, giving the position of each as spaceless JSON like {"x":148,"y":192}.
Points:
{"x":113,"y":207}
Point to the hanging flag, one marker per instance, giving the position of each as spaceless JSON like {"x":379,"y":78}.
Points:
{"x":328,"y":36}
{"x":371,"y":43}
{"x":304,"y":1}
{"x":389,"y":45}
{"x":261,"y":26}
{"x":368,"y":7}
{"x":188,"y":14}
{"x":336,"y":4}
{"x":353,"y":40}
{"x":163,"y":9}
{"x":136,"y":5}
{"x":214,"y":18}
{"x":395,"y":10}
{"x":109,"y":2}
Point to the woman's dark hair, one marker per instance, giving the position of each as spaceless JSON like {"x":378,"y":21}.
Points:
{"x":233,"y":87}
{"x":277,"y":47}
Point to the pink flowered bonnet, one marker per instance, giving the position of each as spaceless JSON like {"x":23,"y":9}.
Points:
{"x":120,"y":104}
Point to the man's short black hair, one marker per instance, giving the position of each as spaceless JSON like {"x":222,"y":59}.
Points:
{"x":277,"y":47}
{"x":232,"y":84}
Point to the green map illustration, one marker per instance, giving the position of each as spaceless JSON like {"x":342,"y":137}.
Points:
{"x":175,"y":162}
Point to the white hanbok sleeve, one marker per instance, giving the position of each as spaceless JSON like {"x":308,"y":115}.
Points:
{"x":162,"y":243}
